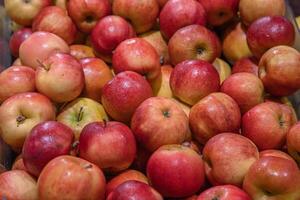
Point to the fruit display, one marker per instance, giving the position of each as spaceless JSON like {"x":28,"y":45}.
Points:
{"x":150,"y":100}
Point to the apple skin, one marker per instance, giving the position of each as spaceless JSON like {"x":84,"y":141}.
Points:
{"x":133,"y":189}
{"x":86,"y":14}
{"x":192,"y":80}
{"x":38,"y":46}
{"x":267,"y":124}
{"x":214,"y":114}
{"x":141,"y":13}
{"x":68,"y":177}
{"x":224,"y":192}
{"x":80,"y":51}
{"x":46,"y":141}
{"x":251,"y":10}
{"x":132,"y":89}
{"x":273,"y":178}
{"x":219,"y":11}
{"x":18,"y":185}
{"x":223,"y":68}
{"x":293,"y":142}
{"x":20,"y":113}
{"x":96,"y":75}
{"x":278,"y":69}
{"x":245,"y":88}
{"x":194,"y":42}
{"x":17,"y":38}
{"x":172,"y":166}
{"x":276,"y":153}
{"x":249,"y":65}
{"x":23,"y":12}
{"x":180,"y":13}
{"x":47,"y":20}
{"x":155,"y":118}
{"x":17,"y":79}
{"x":270,"y":31}
{"x":228,"y":157}
{"x":80,"y":112}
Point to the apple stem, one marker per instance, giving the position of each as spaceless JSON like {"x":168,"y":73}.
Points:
{"x":80,"y":114}
{"x":88,"y":166}
{"x":45,"y":67}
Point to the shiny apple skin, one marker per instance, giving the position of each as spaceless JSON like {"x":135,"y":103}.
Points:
{"x":17,"y":38}
{"x":38,"y":46}
{"x":68,"y":177}
{"x":293,"y":142}
{"x":16,"y":79}
{"x":173,"y":166}
{"x":180,"y":13}
{"x":224,"y":192}
{"x":80,"y":51}
{"x":249,"y":65}
{"x":276,"y":153}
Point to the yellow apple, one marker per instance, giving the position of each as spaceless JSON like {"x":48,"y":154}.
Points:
{"x":223,"y":69}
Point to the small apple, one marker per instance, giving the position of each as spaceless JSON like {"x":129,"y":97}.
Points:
{"x":293,"y":142}
{"x":249,"y":65}
{"x":276,"y":153}
{"x":80,"y":51}
{"x":223,"y":68}
{"x":17,"y":38}
{"x":224,"y":192}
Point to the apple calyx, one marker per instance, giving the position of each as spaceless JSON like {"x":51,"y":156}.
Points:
{"x":200,"y":50}
{"x":80,"y":114}
{"x":89,"y":19}
{"x":26,"y":1}
{"x":166,"y":113}
{"x":20,"y":120}
{"x":281,"y":121}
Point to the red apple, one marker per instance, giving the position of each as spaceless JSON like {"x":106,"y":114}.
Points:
{"x":176,"y":171}
{"x":293,"y":142}
{"x":214,"y":114}
{"x":228,"y":157}
{"x":141,"y":13}
{"x":86,"y":14}
{"x":180,"y":13}
{"x":80,"y":51}
{"x":249,"y":65}
{"x":17,"y":38}
{"x":224,"y":192}
{"x":192,"y":80}
{"x":68,"y":177}
{"x":276,"y":153}
{"x":19,"y":164}
{"x":15,"y":80}
{"x":38,"y":46}
{"x":194,"y":42}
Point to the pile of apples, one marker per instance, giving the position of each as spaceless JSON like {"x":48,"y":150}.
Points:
{"x":150,"y":100}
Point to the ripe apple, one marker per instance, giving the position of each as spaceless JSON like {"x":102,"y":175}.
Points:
{"x":249,"y":65}
{"x":15,"y":80}
{"x":293,"y":142}
{"x":223,"y":69}
{"x":96,"y":75}
{"x":38,"y":46}
{"x":141,"y":13}
{"x":19,"y":164}
{"x":17,"y":185}
{"x":123,"y":94}
{"x":267,"y":124}
{"x":245,"y":88}
{"x":180,"y":13}
{"x":20,"y":113}
{"x":276,"y":153}
{"x":17,"y":38}
{"x":214,"y":114}
{"x":68,"y":177}
{"x":194,"y":42}
{"x":86,"y":14}
{"x":272,"y":178}
{"x":192,"y":80}
{"x":279,"y":70}
{"x":176,"y":171}
{"x":164,"y":89}
{"x":80,"y":51}
{"x":80,"y":112}
{"x":23,"y":12}
{"x":228,"y":157}
{"x":224,"y":192}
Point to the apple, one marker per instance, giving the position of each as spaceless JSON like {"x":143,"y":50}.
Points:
{"x":164,"y":89}
{"x":249,"y":65}
{"x":61,"y":3}
{"x":214,"y":114}
{"x":123,"y":94}
{"x":154,"y":120}
{"x":193,"y":145}
{"x":176,"y":171}
{"x":194,"y":42}
{"x":17,"y":38}
{"x":251,"y":10}
{"x":133,"y":189}
{"x":228,"y":157}
{"x":96,"y":75}
{"x":16,"y":62}
{"x":267,"y":124}
{"x":86,"y":14}
{"x":180,"y":13}
{"x":20,"y":113}
{"x":272,"y":178}
{"x":279,"y":70}
{"x":276,"y":153}
{"x":141,"y":13}
{"x":192,"y":80}
{"x":293,"y":142}
{"x":219,"y":11}
{"x":23,"y":12}
{"x":80,"y":51}
{"x":15,"y":80}
{"x":224,"y":192}
{"x":223,"y":69}
{"x":38,"y":46}
{"x":80,"y":112}
{"x":18,"y":164}
{"x":245,"y":88}
{"x":60,"y":77}
{"x":68,"y":177}
{"x":17,"y":185}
